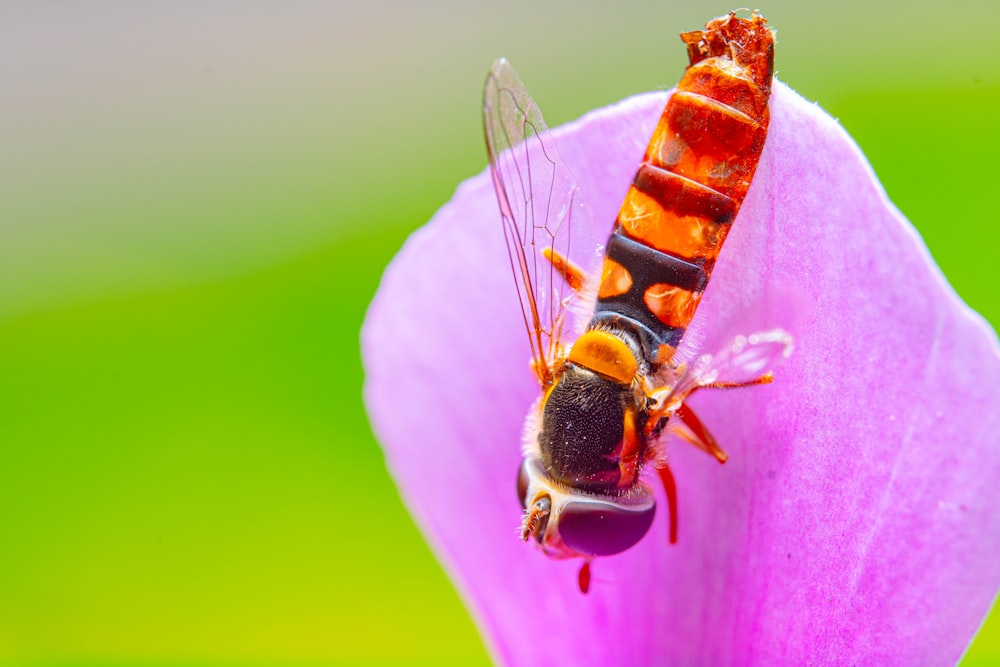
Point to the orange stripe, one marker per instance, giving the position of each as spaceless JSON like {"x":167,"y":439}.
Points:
{"x":723,"y":81}
{"x":644,"y":219}
{"x":672,"y":305}
{"x":615,"y":279}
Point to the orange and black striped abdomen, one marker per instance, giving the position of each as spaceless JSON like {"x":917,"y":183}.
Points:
{"x":689,"y":187}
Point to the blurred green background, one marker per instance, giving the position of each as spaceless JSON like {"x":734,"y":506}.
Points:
{"x":196,"y":203}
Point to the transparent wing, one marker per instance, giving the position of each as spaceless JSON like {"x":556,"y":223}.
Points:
{"x":745,"y":360}
{"x":540,"y":204}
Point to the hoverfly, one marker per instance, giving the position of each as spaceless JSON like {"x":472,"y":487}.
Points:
{"x":609,"y":398}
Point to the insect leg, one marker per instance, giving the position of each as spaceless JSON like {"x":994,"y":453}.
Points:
{"x":766,"y":378}
{"x":571,"y":273}
{"x":700,"y":436}
{"x":583,"y":578}
{"x":670,"y":487}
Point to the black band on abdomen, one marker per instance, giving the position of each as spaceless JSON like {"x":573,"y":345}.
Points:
{"x":649,"y":266}
{"x":646,"y":266}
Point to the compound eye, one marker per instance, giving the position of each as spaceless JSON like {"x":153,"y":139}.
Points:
{"x":603,"y":528}
{"x":522,"y":484}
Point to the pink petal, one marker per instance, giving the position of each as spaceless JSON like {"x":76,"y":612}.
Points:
{"x":856,"y":521}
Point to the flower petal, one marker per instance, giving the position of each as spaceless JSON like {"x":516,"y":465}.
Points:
{"x":856,"y":520}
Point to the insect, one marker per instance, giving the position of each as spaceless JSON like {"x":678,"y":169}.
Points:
{"x":609,"y":398}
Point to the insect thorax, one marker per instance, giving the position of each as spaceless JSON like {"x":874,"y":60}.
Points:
{"x":590,"y":436}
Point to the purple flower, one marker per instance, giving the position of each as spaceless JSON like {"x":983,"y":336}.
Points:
{"x":856,"y":521}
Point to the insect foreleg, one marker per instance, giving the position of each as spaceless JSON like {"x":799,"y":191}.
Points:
{"x":583,"y":578}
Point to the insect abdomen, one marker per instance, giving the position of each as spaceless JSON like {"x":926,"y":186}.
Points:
{"x":689,"y":187}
